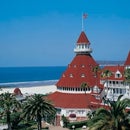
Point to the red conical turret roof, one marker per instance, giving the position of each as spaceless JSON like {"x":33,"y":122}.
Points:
{"x":79,"y":71}
{"x":127,"y":62}
{"x":83,"y":39}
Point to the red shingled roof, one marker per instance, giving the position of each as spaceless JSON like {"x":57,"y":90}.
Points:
{"x":127,"y":62}
{"x":83,"y":39}
{"x":64,"y":100}
{"x":114,"y":69}
{"x":79,"y":71}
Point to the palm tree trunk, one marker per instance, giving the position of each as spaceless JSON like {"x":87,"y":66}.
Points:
{"x":107,"y":88}
{"x":8,"y":121}
{"x":129,"y":87}
{"x":39,"y":124}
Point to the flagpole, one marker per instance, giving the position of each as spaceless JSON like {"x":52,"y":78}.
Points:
{"x":82,"y":23}
{"x":84,"y":16}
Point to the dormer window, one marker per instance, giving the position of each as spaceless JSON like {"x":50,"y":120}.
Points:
{"x":82,"y":66}
{"x":118,"y":74}
{"x":82,"y":75}
{"x":71,"y":75}
{"x":74,"y":66}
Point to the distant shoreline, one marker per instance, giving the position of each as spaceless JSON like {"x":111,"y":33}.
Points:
{"x":100,"y":62}
{"x":107,"y":62}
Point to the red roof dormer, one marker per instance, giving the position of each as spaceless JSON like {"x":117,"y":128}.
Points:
{"x":127,"y":62}
{"x":83,"y":39}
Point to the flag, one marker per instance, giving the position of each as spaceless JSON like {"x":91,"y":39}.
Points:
{"x":85,"y":16}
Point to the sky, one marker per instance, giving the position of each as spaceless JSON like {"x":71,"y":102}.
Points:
{"x":45,"y":32}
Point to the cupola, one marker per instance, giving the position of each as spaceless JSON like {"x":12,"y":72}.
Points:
{"x":83,"y":44}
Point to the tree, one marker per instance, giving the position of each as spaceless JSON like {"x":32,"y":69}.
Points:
{"x":115,"y":118}
{"x":84,"y":86}
{"x":9,"y":104}
{"x":96,"y":69}
{"x":65,"y":121}
{"x":127,"y":77}
{"x":37,"y":107}
{"x":106,"y":74}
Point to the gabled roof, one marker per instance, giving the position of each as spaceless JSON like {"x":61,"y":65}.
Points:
{"x":83,"y":39}
{"x":127,"y":62}
{"x":64,"y":100}
{"x":80,"y":70}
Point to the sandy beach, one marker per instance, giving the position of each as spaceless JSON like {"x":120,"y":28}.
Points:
{"x":32,"y":90}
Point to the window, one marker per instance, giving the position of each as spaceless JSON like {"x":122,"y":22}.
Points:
{"x":114,"y":90}
{"x":113,"y":82}
{"x":74,"y":66}
{"x":82,"y":75}
{"x":120,"y":91}
{"x":82,"y":66}
{"x":117,"y":74}
{"x":71,"y":75}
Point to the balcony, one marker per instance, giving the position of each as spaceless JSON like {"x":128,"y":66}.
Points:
{"x":82,"y":50}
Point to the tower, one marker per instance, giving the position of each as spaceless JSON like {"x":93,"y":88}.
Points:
{"x":80,"y":69}
{"x":70,"y":98}
{"x":83,"y":44}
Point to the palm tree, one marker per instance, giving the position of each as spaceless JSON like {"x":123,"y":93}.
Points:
{"x":84,"y":86}
{"x":106,"y":74}
{"x":37,"y":107}
{"x":9,"y":104}
{"x":127,"y":77}
{"x":96,"y":69}
{"x":115,"y":118}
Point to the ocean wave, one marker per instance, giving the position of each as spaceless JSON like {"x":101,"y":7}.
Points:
{"x":28,"y":83}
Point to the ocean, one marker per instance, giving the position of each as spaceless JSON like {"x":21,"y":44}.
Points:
{"x":30,"y":76}
{"x":36,"y":76}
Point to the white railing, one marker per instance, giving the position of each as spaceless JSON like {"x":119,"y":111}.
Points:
{"x":116,"y":86}
{"x":73,"y":91}
{"x":82,"y":50}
